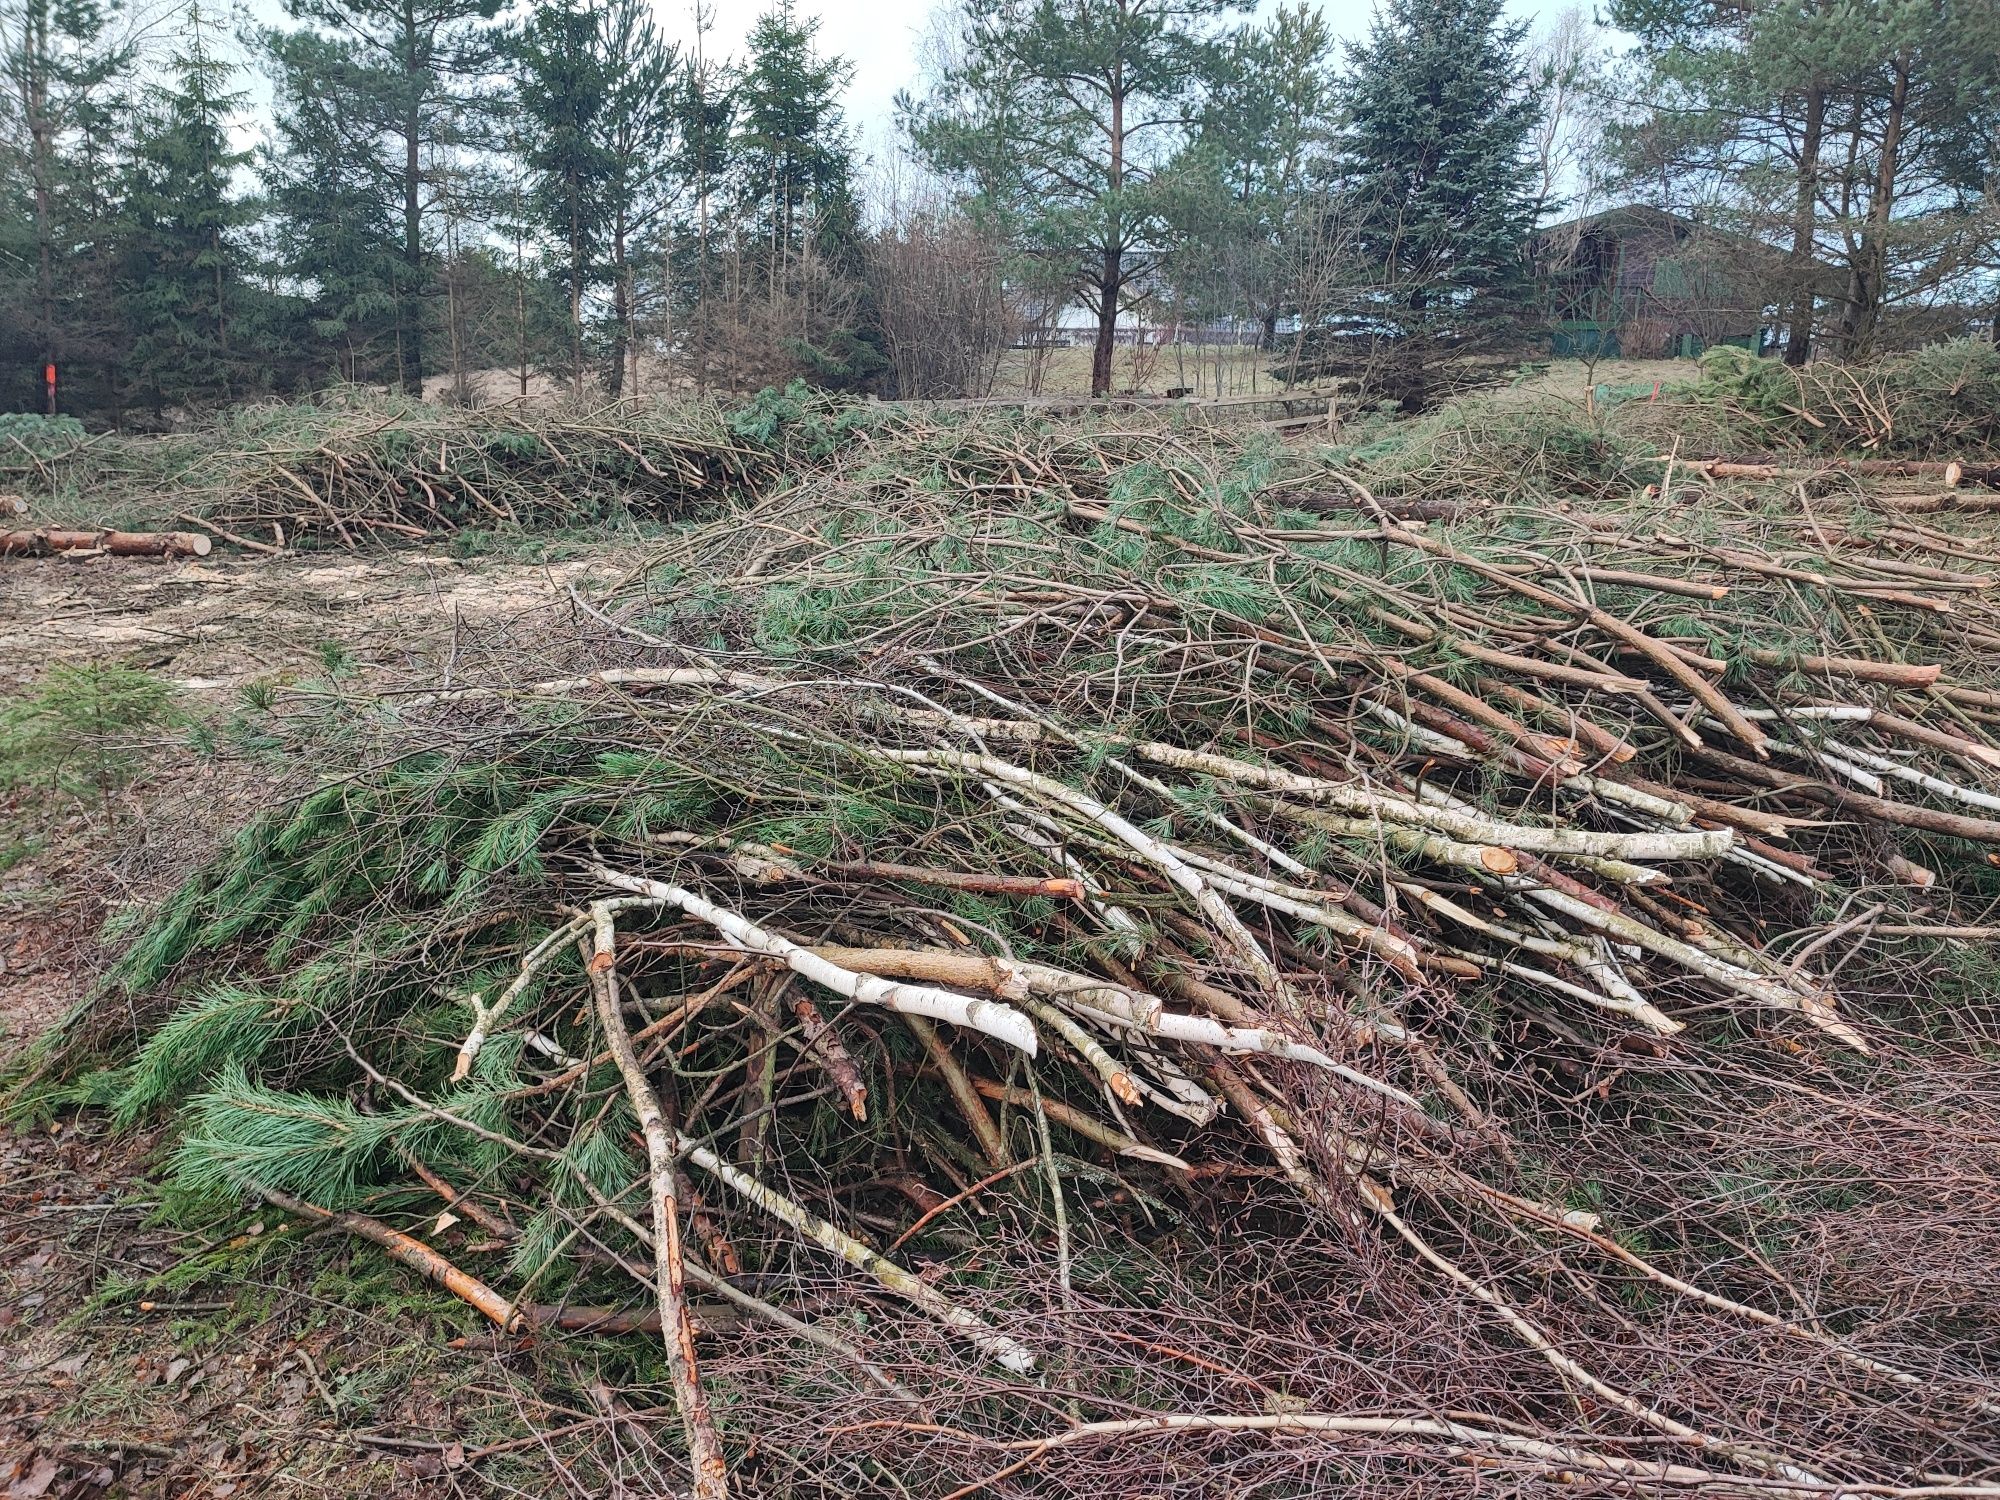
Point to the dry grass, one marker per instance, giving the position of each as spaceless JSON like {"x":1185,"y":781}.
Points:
{"x":1248,"y":372}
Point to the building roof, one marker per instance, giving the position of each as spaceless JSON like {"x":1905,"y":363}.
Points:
{"x":1634,"y":219}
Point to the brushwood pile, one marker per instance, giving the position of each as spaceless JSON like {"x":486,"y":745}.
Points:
{"x":1153,"y":959}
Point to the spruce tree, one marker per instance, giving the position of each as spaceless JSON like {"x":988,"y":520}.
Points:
{"x":64,"y":116}
{"x":1441,"y":197}
{"x":706,"y":104}
{"x":181,"y":267}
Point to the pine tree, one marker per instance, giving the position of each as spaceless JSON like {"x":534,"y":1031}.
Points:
{"x":1859,"y":136}
{"x":390,"y":81}
{"x":793,"y":159}
{"x":1062,"y":116}
{"x":598,"y":91}
{"x":642,"y":140}
{"x":799,"y":283}
{"x":181,"y":267}
{"x":1246,"y":189}
{"x":1440,"y":190}
{"x":562,"y":89}
{"x":336,"y":235}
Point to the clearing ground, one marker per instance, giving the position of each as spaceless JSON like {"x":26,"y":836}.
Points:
{"x":287,"y":1383}
{"x":1207,"y":371}
{"x":1615,"y":928}
{"x":211,"y":626}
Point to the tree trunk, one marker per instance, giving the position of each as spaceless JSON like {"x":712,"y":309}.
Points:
{"x":413,"y":248}
{"x":1107,"y":323}
{"x":521,"y":308}
{"x":35,"y":99}
{"x":115,"y":543}
{"x":621,"y":308}
{"x":1873,"y":271}
{"x":1799,"y":316}
{"x":1414,"y":377}
{"x":1111,"y":273}
{"x":1846,"y":218}
{"x":576,"y":288}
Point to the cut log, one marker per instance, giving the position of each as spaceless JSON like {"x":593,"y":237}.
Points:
{"x":1953,"y":472}
{"x":51,"y":539}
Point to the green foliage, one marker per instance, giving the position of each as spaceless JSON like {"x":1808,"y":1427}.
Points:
{"x":1943,"y":399}
{"x":185,"y":262}
{"x":803,"y":424}
{"x":793,"y":159}
{"x":1245,"y":198}
{"x":226,"y":1027}
{"x":1483,"y":448}
{"x":1760,"y":388}
{"x":1946,"y":397}
{"x":371,"y":96}
{"x":1439,"y":197}
{"x":83,"y":731}
{"x":602,"y":141}
{"x":1069,"y":122}
{"x":31,"y":436}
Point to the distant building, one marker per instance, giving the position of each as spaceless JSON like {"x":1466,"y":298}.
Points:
{"x":1149,"y":316}
{"x":1643,"y":283}
{"x":1075,"y":327}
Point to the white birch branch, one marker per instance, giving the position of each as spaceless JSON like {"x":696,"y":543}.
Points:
{"x":989,"y":1017}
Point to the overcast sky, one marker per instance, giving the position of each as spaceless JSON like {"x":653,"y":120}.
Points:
{"x":882,"y":39}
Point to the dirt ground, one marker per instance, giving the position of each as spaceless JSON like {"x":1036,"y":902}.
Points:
{"x":236,"y":1374}
{"x":211,"y":626}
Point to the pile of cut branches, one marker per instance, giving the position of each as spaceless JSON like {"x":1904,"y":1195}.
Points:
{"x":1100,"y":967}
{"x":358,"y":467}
{"x":1941,"y":401}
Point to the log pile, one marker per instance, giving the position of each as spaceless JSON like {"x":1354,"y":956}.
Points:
{"x":1031,"y":874}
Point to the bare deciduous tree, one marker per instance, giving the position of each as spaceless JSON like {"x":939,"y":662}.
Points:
{"x":937,"y":279}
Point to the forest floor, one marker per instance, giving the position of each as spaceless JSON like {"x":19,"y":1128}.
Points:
{"x":250,"y":1376}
